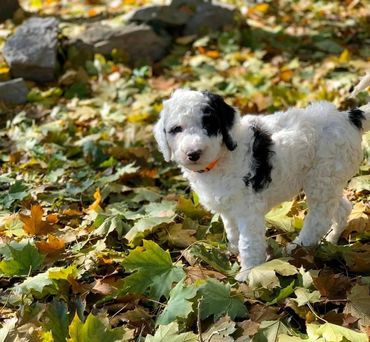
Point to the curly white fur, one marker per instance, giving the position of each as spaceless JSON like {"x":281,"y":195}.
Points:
{"x":317,"y":149}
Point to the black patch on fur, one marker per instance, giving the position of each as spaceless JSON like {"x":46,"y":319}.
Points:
{"x":261,"y":154}
{"x":218,"y":117}
{"x":356,"y":116}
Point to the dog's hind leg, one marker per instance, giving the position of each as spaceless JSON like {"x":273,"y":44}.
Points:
{"x":323,"y":203}
{"x":339,"y":220}
{"x":232,"y":233}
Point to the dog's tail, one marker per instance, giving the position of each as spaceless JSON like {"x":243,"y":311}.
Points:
{"x":360,"y":117}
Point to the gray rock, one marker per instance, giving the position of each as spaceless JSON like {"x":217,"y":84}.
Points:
{"x":209,"y":17}
{"x":138,"y":43}
{"x":165,"y":15}
{"x":32,"y":51}
{"x":14,"y":91}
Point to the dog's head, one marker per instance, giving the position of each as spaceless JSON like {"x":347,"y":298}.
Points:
{"x":195,"y":128}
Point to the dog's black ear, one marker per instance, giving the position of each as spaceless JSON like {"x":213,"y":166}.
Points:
{"x":220,"y":117}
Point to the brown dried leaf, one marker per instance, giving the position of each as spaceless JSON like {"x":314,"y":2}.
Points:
{"x":34,"y":225}
{"x":358,"y":221}
{"x":358,"y":259}
{"x":260,"y":312}
{"x":197,"y":272}
{"x":332,"y":286}
{"x":51,"y":246}
{"x":249,"y":327}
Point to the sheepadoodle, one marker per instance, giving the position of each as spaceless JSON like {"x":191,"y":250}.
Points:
{"x":242,"y":167}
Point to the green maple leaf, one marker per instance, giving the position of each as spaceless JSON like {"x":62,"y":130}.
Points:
{"x":154,"y":271}
{"x":155,"y":215}
{"x":213,"y":257}
{"x":39,"y":286}
{"x":57,"y":320}
{"x":170,"y":333}
{"x":179,"y":304}
{"x":93,"y":330}
{"x":17,"y":191}
{"x":218,"y":300}
{"x":20,"y":259}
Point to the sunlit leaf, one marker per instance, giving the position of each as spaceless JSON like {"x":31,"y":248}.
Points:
{"x":20,"y":259}
{"x":34,"y":224}
{"x":93,"y":330}
{"x":334,"y":333}
{"x":265,"y":275}
{"x":170,"y":333}
{"x":153,"y":271}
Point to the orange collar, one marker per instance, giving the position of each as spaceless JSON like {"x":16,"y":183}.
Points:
{"x":209,"y":167}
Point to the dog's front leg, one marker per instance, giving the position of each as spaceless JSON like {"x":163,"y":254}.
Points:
{"x":252,"y":242}
{"x":232,"y":233}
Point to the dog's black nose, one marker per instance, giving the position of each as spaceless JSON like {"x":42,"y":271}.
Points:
{"x":194,"y":155}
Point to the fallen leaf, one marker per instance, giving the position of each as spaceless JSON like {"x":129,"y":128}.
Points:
{"x":220,"y":331}
{"x":96,"y":205}
{"x":334,"y":333}
{"x":332,"y":286}
{"x":171,"y":333}
{"x":259,"y":8}
{"x":161,"y":83}
{"x":51,"y":246}
{"x":249,"y":327}
{"x":265,"y":274}
{"x":286,"y":75}
{"x":304,"y":296}
{"x":33,"y":224}
{"x":358,"y":220}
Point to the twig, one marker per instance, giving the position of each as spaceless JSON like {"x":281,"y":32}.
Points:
{"x":200,"y":338}
{"x":315,"y":314}
{"x":118,"y":311}
{"x":217,"y":332}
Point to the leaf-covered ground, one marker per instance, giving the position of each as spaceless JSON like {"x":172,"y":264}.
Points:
{"x":101,"y":240}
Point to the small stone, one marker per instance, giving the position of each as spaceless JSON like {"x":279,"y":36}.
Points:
{"x":14,"y":91}
{"x":31,"y":52}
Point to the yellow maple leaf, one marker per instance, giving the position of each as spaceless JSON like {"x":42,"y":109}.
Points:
{"x":96,"y":205}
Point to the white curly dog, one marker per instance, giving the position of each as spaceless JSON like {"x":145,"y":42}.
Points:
{"x":242,"y":167}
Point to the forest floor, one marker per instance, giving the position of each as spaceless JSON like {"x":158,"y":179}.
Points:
{"x":101,"y":240}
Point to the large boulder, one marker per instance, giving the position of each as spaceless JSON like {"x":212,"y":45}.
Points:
{"x":137,"y":43}
{"x":32,"y":51}
{"x":187,"y":17}
{"x":14,"y":91}
{"x":206,"y":17}
{"x":167,"y":16}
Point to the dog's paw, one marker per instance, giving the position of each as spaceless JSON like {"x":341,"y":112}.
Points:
{"x":333,"y":237}
{"x":243,"y":275}
{"x":232,"y":249}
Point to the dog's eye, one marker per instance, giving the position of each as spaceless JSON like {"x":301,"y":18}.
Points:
{"x":210,"y":124}
{"x":176,"y":129}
